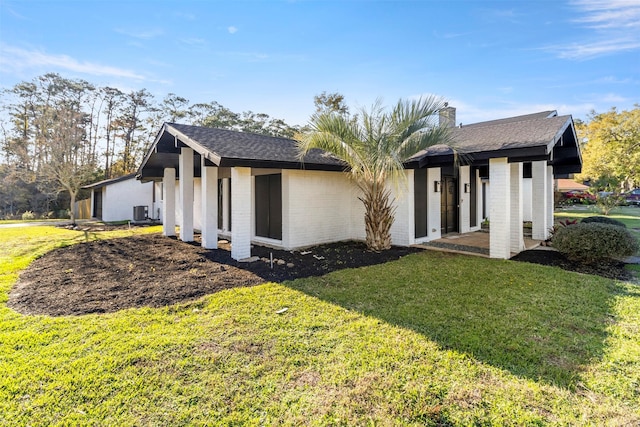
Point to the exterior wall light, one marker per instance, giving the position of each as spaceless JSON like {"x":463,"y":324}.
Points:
{"x":436,"y":186}
{"x":467,"y":188}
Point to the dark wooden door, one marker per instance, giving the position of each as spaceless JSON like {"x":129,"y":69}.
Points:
{"x":449,"y":205}
{"x":97,"y":204}
{"x":268,"y":206}
{"x":420,"y":202}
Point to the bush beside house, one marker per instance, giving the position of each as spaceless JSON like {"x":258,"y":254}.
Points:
{"x":590,"y":242}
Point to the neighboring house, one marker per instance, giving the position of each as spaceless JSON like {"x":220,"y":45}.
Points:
{"x":565,"y":184}
{"x":255,"y":189}
{"x":115,"y":199}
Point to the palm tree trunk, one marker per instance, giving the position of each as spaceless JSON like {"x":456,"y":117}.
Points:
{"x":378,"y":218}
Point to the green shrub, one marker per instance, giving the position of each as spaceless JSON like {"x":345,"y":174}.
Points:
{"x":592,"y":241}
{"x":28,"y":216}
{"x":604,"y":220}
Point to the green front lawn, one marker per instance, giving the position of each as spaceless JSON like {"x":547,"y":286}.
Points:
{"x":628,"y":215}
{"x":431,"y":339}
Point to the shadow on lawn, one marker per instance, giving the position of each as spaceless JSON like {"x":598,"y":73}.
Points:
{"x":536,"y":322}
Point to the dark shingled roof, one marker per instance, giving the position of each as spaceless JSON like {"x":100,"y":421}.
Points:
{"x":233,"y":145}
{"x":522,"y":138}
{"x":540,"y":130}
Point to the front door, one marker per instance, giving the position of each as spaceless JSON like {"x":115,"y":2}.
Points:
{"x":97,"y":203}
{"x":449,"y":205}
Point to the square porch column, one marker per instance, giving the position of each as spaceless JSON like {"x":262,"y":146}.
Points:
{"x":540,"y":200}
{"x":186,"y":193}
{"x":209,"y":198}
{"x":517,"y":235}
{"x":240,"y":213}
{"x":550,"y":199}
{"x":465,"y":199}
{"x":500,"y":209}
{"x":434,"y":220}
{"x":169,"y":202}
{"x":226,"y":199}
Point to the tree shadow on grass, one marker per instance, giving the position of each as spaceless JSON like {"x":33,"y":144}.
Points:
{"x":537,"y":322}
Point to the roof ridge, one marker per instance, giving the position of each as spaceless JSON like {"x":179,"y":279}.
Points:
{"x":547,"y":114}
{"x":231,"y":130}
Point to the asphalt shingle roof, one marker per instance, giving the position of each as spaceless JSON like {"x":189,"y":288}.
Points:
{"x":533,"y":130}
{"x":533,"y":133}
{"x":229,"y":144}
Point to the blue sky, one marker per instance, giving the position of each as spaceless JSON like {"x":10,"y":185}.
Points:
{"x":489,"y":59}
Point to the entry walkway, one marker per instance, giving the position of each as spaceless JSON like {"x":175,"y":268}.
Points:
{"x":475,"y":243}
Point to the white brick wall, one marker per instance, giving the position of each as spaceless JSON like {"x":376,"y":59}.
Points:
{"x":318,"y":207}
{"x":209,"y":206}
{"x":186,"y":194}
{"x":479,"y":202}
{"x":433,"y":204}
{"x":169,"y":202}
{"x":550,"y":203}
{"x":119,"y":198}
{"x":465,"y":200}
{"x":500,"y":208}
{"x":241,"y":213}
{"x":539,"y":189}
{"x":527,"y":198}
{"x":403,"y":227}
{"x":516,"y":203}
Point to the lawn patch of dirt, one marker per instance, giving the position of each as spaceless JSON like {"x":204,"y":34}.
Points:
{"x":152,"y":270}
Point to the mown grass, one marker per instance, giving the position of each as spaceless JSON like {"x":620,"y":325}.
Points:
{"x":432,"y":339}
{"x":629,"y":215}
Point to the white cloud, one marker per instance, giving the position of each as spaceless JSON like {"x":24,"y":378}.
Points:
{"x":141,"y":34}
{"x":19,"y":59}
{"x":615,"y":27}
{"x":232,"y":29}
{"x":193,"y":41}
{"x":609,"y":14}
{"x":593,"y":49}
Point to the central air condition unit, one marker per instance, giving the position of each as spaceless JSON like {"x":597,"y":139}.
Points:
{"x":140,"y":213}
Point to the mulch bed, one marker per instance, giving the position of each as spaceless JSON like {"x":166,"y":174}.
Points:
{"x":154,"y":271}
{"x":610,"y":270}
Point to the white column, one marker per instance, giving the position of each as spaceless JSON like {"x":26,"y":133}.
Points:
{"x":434,"y":222}
{"x":479,"y":201}
{"x":169,"y":202}
{"x":465,"y":199}
{"x":209,"y":186}
{"x":403,"y":227}
{"x":226,"y":221}
{"x":517,"y":236}
{"x":540,"y":200}
{"x":240,"y":213}
{"x":550,"y":201}
{"x":500,"y":209}
{"x":186,"y":193}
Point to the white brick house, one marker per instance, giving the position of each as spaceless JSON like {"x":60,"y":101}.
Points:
{"x":254,"y":189}
{"x":114,"y":199}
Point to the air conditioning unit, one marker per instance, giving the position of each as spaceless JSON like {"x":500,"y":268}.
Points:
{"x":140,"y":213}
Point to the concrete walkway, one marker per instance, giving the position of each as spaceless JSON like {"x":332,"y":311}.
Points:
{"x":475,"y":243}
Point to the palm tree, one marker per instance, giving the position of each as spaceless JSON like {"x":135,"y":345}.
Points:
{"x":374,"y":146}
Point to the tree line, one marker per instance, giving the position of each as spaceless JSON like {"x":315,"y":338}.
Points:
{"x":58,"y":134}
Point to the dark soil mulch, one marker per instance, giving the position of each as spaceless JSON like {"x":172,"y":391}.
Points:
{"x":610,"y":269}
{"x":152,"y":270}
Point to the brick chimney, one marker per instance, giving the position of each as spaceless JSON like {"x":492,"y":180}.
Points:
{"x":448,"y":116}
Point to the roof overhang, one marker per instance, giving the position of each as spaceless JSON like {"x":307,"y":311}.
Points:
{"x":166,"y":148}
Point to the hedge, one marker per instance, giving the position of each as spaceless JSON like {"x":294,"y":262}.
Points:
{"x":591,"y":242}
